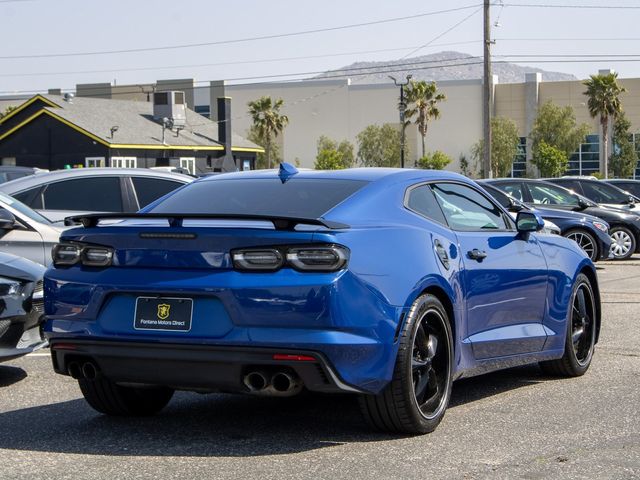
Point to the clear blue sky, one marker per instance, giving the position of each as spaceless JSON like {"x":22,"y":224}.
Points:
{"x":36,"y":27}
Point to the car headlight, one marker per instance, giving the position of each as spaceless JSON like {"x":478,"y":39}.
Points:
{"x":601,"y":226}
{"x":9,"y":287}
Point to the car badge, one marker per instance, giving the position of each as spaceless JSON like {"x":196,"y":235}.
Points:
{"x":163,"y":311}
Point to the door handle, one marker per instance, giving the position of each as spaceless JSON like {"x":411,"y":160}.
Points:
{"x":476,"y":254}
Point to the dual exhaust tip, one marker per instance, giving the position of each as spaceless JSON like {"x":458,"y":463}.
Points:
{"x":83,"y":370}
{"x":280,"y":383}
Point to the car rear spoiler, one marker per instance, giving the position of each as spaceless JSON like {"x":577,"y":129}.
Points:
{"x":175,"y":220}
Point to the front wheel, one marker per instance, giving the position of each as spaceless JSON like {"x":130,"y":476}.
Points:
{"x":581,"y":333}
{"x":416,"y":398}
{"x":110,"y":398}
{"x":585,"y":241}
{"x":624,"y":243}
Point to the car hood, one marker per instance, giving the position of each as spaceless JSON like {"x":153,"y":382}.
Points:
{"x":568,"y":214}
{"x":17,"y":267}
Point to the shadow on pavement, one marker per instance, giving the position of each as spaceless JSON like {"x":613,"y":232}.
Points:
{"x":11,"y":375}
{"x":220,"y":425}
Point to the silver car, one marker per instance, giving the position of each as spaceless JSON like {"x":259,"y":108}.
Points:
{"x":26,"y":233}
{"x":64,"y":193}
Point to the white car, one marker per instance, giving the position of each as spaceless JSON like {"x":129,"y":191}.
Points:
{"x":26,"y":233}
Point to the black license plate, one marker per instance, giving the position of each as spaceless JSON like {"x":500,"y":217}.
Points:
{"x":164,"y":313}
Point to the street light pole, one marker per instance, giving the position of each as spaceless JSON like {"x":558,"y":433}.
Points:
{"x":487,"y":93}
{"x":402,"y":106}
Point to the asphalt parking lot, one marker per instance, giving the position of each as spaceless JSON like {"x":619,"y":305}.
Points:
{"x":512,"y":424}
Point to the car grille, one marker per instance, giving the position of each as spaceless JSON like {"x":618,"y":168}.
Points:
{"x":37,"y":301}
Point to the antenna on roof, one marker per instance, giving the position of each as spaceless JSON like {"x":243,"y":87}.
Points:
{"x":286,"y":171}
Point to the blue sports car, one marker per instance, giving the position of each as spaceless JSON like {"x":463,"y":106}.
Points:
{"x":387,"y":283}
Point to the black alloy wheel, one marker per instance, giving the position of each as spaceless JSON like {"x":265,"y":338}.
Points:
{"x":416,"y":399}
{"x":585,"y":241}
{"x":581,"y":333}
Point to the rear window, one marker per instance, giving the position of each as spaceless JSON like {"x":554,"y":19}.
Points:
{"x":303,"y":198}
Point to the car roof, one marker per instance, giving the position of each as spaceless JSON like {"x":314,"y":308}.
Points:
{"x":25,"y":183}
{"x":14,"y":168}
{"x":621,"y":180}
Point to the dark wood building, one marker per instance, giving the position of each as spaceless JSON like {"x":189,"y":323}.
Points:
{"x":54,"y":132}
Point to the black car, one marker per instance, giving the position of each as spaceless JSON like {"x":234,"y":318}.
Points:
{"x":591,"y":233}
{"x":21,"y":306}
{"x":629,"y":186}
{"x":9,"y":172}
{"x":624,"y":227}
{"x":602,"y":193}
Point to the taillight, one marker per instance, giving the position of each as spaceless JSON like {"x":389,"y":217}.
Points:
{"x":322,"y":259}
{"x":318,"y":258}
{"x":255,"y":259}
{"x":67,"y":254}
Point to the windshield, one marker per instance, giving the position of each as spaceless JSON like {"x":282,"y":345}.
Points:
{"x":23,"y":209}
{"x":297,"y":198}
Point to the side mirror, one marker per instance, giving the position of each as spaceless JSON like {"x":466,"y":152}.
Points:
{"x":529,"y":222}
{"x":632,"y":201}
{"x":7,"y":220}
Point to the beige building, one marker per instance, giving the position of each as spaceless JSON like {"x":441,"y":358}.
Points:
{"x":340,"y":109}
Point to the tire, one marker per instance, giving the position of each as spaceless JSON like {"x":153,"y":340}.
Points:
{"x":581,"y":333}
{"x":624,"y":243}
{"x":585,"y":241}
{"x":415,"y":400}
{"x":113,"y":399}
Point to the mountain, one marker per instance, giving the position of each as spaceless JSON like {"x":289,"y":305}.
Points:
{"x":437,"y":67}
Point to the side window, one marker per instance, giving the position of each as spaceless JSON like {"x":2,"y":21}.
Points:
{"x":422,"y":201}
{"x":570,"y":184}
{"x":468,"y":210}
{"x":150,"y":189}
{"x":513,"y":189}
{"x":85,"y":194}
{"x":31,"y":197}
{"x":552,"y":195}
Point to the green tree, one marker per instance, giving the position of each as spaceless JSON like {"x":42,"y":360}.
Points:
{"x":603,"y":92}
{"x":7,"y":111}
{"x":379,"y":146}
{"x":504,"y":147}
{"x":556,"y":126}
{"x":465,"y":168}
{"x":624,"y":158}
{"x":329,"y":160}
{"x":344,"y":148}
{"x":261,"y":158}
{"x":422,"y":99}
{"x":434,"y":161}
{"x":268,"y":122}
{"x":551,"y":161}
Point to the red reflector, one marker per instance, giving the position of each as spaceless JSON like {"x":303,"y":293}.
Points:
{"x":293,"y":358}
{"x":63,"y":346}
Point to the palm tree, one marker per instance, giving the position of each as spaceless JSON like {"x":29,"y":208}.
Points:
{"x":604,"y":101}
{"x":268,"y":122}
{"x":423,"y":98}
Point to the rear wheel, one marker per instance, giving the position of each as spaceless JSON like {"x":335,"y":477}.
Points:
{"x":585,"y":241}
{"x":581,"y":333}
{"x":624,"y":243}
{"x":417,"y":396}
{"x":113,"y":399}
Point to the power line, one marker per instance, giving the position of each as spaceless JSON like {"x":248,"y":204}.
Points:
{"x":240,"y":62}
{"x":581,"y":7}
{"x":561,"y":39}
{"x":241,"y":40}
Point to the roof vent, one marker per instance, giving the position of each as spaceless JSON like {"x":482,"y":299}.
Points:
{"x":68,"y":97}
{"x":170,"y":105}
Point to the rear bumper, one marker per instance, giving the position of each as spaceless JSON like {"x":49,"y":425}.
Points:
{"x":195,"y":367}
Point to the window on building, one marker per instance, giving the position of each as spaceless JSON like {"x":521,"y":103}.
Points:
{"x":11,"y":161}
{"x":189,"y":163}
{"x":84,"y":194}
{"x":586,"y":160}
{"x":150,"y":189}
{"x":203,"y":110}
{"x":124,"y":162}
{"x":519,"y":167}
{"x":94,"y":162}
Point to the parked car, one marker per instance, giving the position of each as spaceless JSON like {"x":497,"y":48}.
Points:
{"x":624,"y":227}
{"x":9,"y":172}
{"x":388,"y":283}
{"x":21,"y":306}
{"x":26,"y":233}
{"x":589,"y":232}
{"x":631,"y":187}
{"x":63,"y":193}
{"x":600,"y":192}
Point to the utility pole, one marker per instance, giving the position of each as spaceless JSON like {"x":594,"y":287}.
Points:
{"x":487,"y":92}
{"x":402,"y":107}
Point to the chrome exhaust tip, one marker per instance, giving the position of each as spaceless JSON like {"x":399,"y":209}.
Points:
{"x":256,"y":381}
